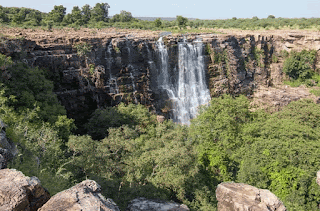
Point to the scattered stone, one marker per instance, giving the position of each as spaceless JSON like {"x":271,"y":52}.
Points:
{"x":83,"y":196}
{"x":18,"y":192}
{"x":318,"y":177}
{"x":143,"y":204}
{"x":160,"y":118}
{"x":242,"y":197}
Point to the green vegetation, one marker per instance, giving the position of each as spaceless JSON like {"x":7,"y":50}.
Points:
{"x":300,"y":68}
{"x":131,"y":155}
{"x":97,"y":17}
{"x":316,"y":92}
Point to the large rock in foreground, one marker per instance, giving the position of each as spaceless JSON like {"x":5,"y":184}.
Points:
{"x":83,"y":196}
{"x":143,"y":204}
{"x":243,"y":197}
{"x":18,"y":192}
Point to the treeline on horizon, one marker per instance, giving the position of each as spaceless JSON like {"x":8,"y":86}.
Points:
{"x":97,"y":17}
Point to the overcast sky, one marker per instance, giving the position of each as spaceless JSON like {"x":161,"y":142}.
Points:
{"x":202,"y":9}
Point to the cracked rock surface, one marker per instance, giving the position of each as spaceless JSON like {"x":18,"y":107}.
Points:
{"x":83,"y":196}
{"x":242,"y":197}
{"x":18,"y":192}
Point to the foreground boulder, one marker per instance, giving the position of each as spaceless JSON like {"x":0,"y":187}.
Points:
{"x":18,"y":192}
{"x":83,"y":196}
{"x":242,"y":197}
{"x":143,"y":204}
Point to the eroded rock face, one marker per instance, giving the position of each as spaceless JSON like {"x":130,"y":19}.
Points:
{"x":243,"y":197}
{"x":143,"y":204}
{"x":236,"y":62}
{"x":18,"y":192}
{"x":83,"y":196}
{"x":7,"y":148}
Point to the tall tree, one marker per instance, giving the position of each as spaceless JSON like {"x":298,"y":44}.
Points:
{"x":76,"y":15}
{"x":56,"y":15}
{"x":86,"y":13}
{"x":3,"y":16}
{"x":100,"y":12}
{"x":181,"y":21}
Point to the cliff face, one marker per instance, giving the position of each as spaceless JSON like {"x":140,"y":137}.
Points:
{"x":125,"y":66}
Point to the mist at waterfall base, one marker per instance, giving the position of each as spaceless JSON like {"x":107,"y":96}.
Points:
{"x":190,"y":90}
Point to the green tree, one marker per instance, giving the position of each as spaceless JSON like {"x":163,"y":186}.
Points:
{"x":124,"y":16}
{"x":282,"y":154}
{"x":100,"y":12}
{"x":217,"y":131}
{"x":181,"y":21}
{"x":300,"y":65}
{"x":86,"y":13}
{"x":57,"y":14}
{"x":157,"y":22}
{"x":33,"y":18}
{"x":271,"y":17}
{"x":3,"y":16}
{"x":76,"y":16}
{"x":19,"y":17}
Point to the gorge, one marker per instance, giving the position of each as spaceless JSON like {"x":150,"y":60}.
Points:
{"x":171,"y":75}
{"x":114,"y":82}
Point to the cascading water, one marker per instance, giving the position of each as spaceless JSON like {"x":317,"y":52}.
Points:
{"x":131,"y":70}
{"x":150,"y":62}
{"x":112,"y":80}
{"x":191,"y":90}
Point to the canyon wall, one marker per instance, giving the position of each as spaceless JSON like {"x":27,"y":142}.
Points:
{"x":124,"y":67}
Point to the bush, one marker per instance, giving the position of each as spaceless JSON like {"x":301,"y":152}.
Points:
{"x":300,"y":64}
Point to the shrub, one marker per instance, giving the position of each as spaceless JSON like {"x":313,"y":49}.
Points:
{"x":300,"y":64}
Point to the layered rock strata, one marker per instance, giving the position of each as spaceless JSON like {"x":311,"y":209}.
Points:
{"x":123,"y":66}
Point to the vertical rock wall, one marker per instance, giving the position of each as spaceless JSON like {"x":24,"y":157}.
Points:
{"x":125,"y":68}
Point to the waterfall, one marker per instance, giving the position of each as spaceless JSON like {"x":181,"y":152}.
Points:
{"x":190,"y":91}
{"x":131,"y":71}
{"x":112,"y":80}
{"x":150,"y":62}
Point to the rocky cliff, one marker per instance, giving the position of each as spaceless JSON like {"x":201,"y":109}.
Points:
{"x":124,"y":65}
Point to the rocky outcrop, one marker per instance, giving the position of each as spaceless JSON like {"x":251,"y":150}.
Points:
{"x":83,"y":196}
{"x":7,"y":148}
{"x":273,"y":99}
{"x":243,"y":197}
{"x":123,"y":65}
{"x":143,"y":204}
{"x":18,"y":192}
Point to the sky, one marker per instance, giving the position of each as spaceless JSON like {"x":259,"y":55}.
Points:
{"x":202,"y":9}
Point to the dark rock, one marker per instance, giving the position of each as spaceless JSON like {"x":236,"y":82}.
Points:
{"x":143,"y":204}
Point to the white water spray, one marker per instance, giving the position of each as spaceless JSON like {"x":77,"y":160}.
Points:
{"x":112,"y":80}
{"x":191,"y":90}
